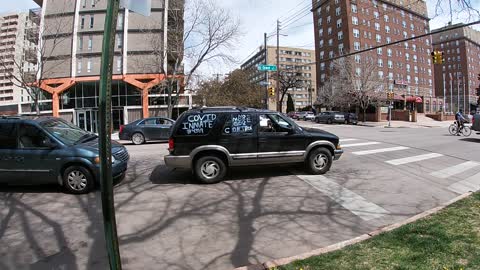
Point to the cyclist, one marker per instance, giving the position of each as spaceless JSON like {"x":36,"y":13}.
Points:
{"x":460,"y":119}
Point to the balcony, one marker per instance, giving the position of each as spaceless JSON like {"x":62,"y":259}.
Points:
{"x":31,"y":56}
{"x":32,"y":34}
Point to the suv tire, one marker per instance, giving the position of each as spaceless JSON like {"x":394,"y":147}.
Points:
{"x":138,"y":138}
{"x":210,"y":169}
{"x":77,"y":180}
{"x":329,"y":121}
{"x":319,"y":161}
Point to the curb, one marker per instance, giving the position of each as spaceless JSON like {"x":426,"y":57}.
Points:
{"x":283,"y":261}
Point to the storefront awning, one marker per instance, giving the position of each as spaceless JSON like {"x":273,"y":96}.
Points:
{"x":398,"y":97}
{"x":414,"y":99}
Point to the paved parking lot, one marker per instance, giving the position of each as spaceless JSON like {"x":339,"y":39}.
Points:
{"x":168,"y":221}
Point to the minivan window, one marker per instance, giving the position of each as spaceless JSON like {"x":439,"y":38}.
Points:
{"x":197,"y":124}
{"x":8,"y":138}
{"x":31,"y":137}
{"x":64,"y":131}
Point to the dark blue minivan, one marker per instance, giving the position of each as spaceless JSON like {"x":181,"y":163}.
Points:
{"x":51,"y":150}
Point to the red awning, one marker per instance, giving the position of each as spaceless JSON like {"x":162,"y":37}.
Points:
{"x":414,"y":99}
{"x":398,"y":97}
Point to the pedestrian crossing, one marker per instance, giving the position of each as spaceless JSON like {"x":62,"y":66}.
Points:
{"x":406,"y":156}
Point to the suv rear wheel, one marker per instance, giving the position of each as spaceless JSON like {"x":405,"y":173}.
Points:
{"x":319,"y":161}
{"x":77,"y":180}
{"x":210,"y":169}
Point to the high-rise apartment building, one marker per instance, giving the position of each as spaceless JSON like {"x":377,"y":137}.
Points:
{"x":457,"y":77}
{"x":348,"y":26}
{"x":72,"y":33}
{"x":296,"y":61}
{"x":18,"y":41}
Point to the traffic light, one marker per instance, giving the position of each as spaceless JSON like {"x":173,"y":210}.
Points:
{"x":271,"y":91}
{"x":390,"y":95}
{"x":441,"y":57}
{"x":438,"y":57}
{"x":434,"y":57}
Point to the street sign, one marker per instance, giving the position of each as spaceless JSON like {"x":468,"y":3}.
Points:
{"x":267,"y":67}
{"x":263,"y":83}
{"x":142,"y":7}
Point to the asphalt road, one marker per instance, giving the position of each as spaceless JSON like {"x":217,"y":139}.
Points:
{"x":168,"y":221}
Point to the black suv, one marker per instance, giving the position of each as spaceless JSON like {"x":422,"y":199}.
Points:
{"x":209,"y":140}
{"x":51,"y":150}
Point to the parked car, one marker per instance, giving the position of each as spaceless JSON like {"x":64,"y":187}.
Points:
{"x":476,"y":123}
{"x":300,"y":115}
{"x":309,"y":116}
{"x":351,"y":118}
{"x":142,"y":130}
{"x":52,"y":150}
{"x":330,"y":117}
{"x":210,"y":140}
{"x":293,"y":115}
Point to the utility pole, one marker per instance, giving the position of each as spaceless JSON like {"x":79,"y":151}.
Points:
{"x":278,"y":66}
{"x":444,"y":94}
{"x":266,"y":72}
{"x":105,"y":143}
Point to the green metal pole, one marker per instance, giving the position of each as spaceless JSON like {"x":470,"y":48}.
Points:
{"x":108,"y":208}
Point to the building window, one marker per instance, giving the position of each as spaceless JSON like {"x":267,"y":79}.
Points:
{"x":321,"y":43}
{"x":320,"y":21}
{"x":354,"y":20}
{"x":119,"y":64}
{"x":356,"y":33}
{"x":329,"y":19}
{"x":378,"y":38}
{"x":379,"y":51}
{"x":375,"y":14}
{"x":329,"y":30}
{"x":340,"y":48}
{"x":327,"y":8}
{"x":407,"y":66}
{"x":84,"y":3}
{"x":354,"y":8}
{"x":337,"y":11}
{"x":357,"y":58}
{"x":380,"y":75}
{"x":377,"y":26}
{"x":390,"y":64}
{"x":412,"y":27}
{"x":356,"y":46}
{"x":119,"y":41}
{"x":90,"y":43}
{"x":94,"y":2}
{"x":320,"y":33}
{"x":414,"y":58}
{"x":322,"y":66}
{"x":330,"y":54}
{"x":405,"y":35}
{"x":89,"y":65}
{"x":79,"y":65}
{"x":414,"y":48}
{"x":321,"y":54}
{"x":340,"y":35}
{"x":339,"y":23}
{"x":92,"y":20}
{"x":380,"y":63}
{"x":416,"y":82}
{"x":407,"y":56}
{"x":330,"y":42}
{"x":387,"y":29}
{"x":80,"y":43}
{"x":82,"y":22}
{"x":358,"y":71}
{"x":120,"y":20}
{"x":389,"y":40}
{"x":385,"y":17}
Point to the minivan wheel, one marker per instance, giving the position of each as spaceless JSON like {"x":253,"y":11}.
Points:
{"x":138,"y":138}
{"x":77,"y":180}
{"x":319,"y":161}
{"x":210,"y":169}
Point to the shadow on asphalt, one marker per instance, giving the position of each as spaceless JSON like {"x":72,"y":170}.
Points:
{"x":53,"y":188}
{"x":147,"y":143}
{"x":163,"y":175}
{"x":475,"y":140}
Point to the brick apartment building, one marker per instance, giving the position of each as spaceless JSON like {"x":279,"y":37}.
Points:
{"x":461,"y":48}
{"x":297,"y":60}
{"x":18,"y":41}
{"x":348,"y":26}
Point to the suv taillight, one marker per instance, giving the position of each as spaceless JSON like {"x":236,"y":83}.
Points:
{"x":171,"y":144}
{"x":121,"y":129}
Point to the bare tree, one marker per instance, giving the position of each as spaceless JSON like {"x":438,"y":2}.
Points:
{"x":235,"y":90}
{"x":40,"y":45}
{"x":288,"y":80}
{"x":462,"y":9}
{"x":364,"y":82}
{"x":333,"y":94}
{"x":198,"y":32}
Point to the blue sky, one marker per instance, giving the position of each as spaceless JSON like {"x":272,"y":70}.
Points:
{"x":259,"y":16}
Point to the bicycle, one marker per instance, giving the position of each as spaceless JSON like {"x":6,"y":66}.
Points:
{"x":465,"y":131}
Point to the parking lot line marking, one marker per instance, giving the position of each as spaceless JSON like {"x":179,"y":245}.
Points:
{"x":348,"y":140}
{"x":381,"y":150}
{"x":450,"y":171}
{"x":470,"y":184}
{"x":406,"y":160}
{"x":346,"y":198}
{"x":359,"y":144}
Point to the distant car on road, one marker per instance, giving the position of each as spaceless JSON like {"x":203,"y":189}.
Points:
{"x":330,"y":117}
{"x":51,"y":150}
{"x":351,"y":118}
{"x":309,"y":116}
{"x":293,"y":115}
{"x":142,"y":130}
{"x":300,"y":115}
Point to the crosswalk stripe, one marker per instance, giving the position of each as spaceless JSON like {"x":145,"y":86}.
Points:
{"x":381,"y":150}
{"x":359,"y":144}
{"x":348,"y":140}
{"x":450,"y":171}
{"x":346,"y":198}
{"x":406,"y":160}
{"x":470,"y":184}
